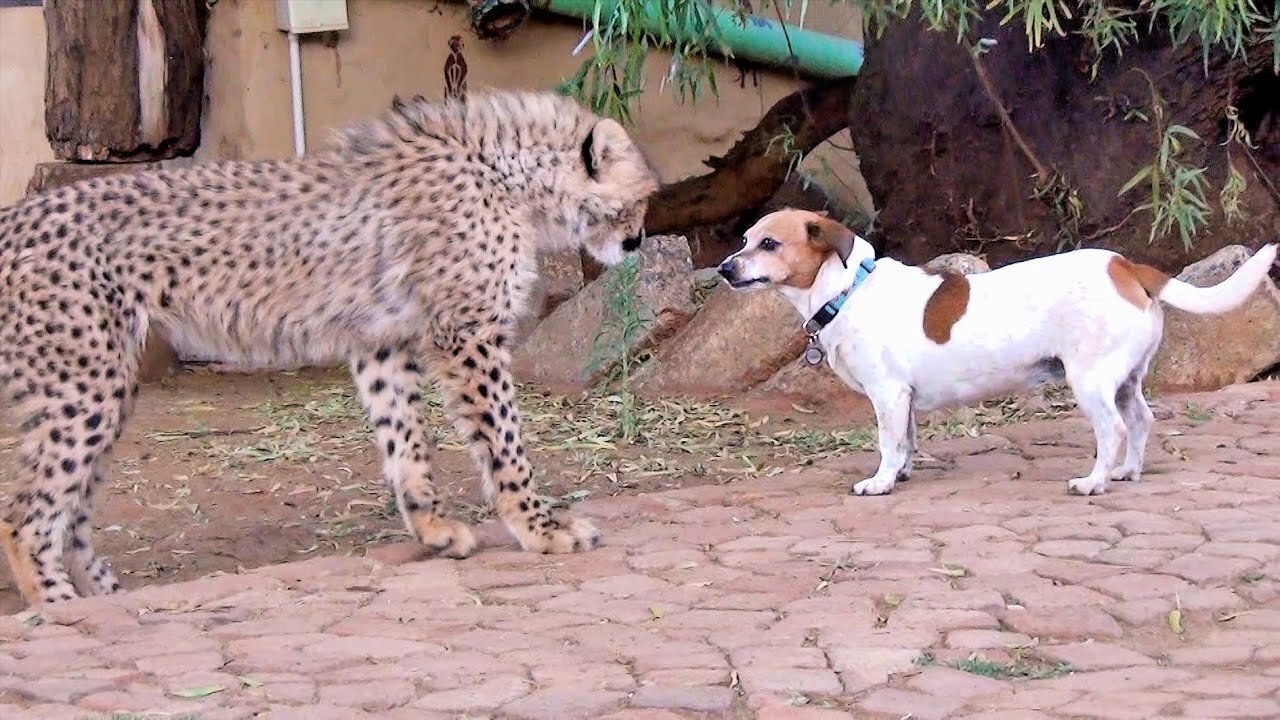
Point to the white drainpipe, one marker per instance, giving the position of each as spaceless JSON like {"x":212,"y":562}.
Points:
{"x":295,"y":80}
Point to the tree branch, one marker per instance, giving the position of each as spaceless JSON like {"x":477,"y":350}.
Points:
{"x":751,"y":171}
{"x":988,"y":87}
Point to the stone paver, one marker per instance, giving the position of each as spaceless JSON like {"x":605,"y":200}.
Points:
{"x":968,"y":593}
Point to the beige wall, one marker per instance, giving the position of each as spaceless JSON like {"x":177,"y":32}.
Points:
{"x":393,"y":46}
{"x":400,"y":46}
{"x":22,"y":66}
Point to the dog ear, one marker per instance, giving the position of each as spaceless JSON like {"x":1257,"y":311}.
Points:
{"x":599,"y":146}
{"x":831,"y":236}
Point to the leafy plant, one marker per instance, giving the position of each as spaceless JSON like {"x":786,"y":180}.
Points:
{"x":625,"y":318}
{"x":623,"y":33}
{"x":614,"y":76}
{"x":1231,"y":197}
{"x":1177,"y":189}
{"x":784,"y":144}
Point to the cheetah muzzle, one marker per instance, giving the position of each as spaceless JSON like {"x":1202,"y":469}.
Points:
{"x":406,"y":248}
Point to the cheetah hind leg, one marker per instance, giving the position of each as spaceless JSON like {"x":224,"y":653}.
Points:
{"x":33,"y":542}
{"x":389,"y":381}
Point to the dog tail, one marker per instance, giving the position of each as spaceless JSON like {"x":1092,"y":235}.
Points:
{"x":1223,"y":297}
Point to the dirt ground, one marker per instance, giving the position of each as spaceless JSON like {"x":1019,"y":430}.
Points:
{"x":229,"y":472}
{"x":223,"y":472}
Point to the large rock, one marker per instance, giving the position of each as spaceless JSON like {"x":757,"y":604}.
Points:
{"x":962,"y":263}
{"x":558,"y":353}
{"x":737,"y":340}
{"x":1206,"y":352}
{"x":814,"y":386}
{"x":559,"y":278}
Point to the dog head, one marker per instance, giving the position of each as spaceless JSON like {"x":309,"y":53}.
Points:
{"x":786,"y":248}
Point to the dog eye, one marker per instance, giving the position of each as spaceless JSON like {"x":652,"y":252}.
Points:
{"x":768,"y":244}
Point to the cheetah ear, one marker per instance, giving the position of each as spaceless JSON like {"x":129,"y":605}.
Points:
{"x":831,"y":236}
{"x":600,"y":144}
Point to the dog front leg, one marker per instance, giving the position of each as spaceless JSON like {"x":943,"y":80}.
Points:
{"x":893,"y":417}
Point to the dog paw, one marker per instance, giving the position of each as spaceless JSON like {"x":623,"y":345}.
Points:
{"x":1086,"y":486}
{"x":872,"y":486}
{"x":903,"y":476}
{"x":1123,"y":475}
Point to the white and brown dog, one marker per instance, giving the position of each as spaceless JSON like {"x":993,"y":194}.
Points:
{"x":910,"y":340}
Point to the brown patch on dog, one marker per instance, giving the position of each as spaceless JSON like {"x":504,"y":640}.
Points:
{"x":830,"y":235}
{"x":946,"y":306}
{"x":1138,"y":284}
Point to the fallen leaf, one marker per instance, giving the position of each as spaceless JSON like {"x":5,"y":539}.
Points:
{"x":656,"y":612}
{"x":199,"y":692}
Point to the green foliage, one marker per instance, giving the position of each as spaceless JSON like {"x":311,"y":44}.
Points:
{"x":625,"y":318}
{"x":1274,"y":33}
{"x":1228,"y":24}
{"x":613,"y":78}
{"x":1177,"y":190}
{"x":1232,"y":195}
{"x":784,"y":146}
{"x":1107,"y":27}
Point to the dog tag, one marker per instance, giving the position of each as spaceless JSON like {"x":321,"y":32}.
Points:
{"x":813,"y":355}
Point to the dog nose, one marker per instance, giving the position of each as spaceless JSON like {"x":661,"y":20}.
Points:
{"x":632,"y":244}
{"x":726,"y":270}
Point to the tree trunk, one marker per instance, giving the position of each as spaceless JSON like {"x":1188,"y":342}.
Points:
{"x":125,"y":79}
{"x":952,"y":161}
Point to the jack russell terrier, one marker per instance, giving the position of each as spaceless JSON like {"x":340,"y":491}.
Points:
{"x":910,"y":340}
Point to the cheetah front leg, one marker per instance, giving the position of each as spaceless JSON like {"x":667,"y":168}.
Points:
{"x":389,"y":381}
{"x":90,"y":572}
{"x":479,"y":392}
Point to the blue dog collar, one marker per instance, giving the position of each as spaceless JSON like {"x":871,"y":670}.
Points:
{"x":813,"y":354}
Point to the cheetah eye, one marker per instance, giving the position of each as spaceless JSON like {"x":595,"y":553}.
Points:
{"x":768,"y":244}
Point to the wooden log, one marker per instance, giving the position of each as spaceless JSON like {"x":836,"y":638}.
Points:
{"x":125,"y":79}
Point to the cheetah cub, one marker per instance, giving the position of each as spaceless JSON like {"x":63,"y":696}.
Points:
{"x":404,"y":248}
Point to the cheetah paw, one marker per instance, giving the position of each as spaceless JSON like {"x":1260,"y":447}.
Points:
{"x":576,"y":535}
{"x":445,"y":538}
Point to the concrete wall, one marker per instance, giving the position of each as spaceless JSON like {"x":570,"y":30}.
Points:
{"x":393,"y":46}
{"x":22,"y":67}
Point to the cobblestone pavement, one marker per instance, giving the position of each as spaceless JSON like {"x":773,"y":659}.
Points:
{"x":978,"y":590}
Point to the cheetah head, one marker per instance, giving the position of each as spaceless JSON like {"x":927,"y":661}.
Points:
{"x":615,"y":183}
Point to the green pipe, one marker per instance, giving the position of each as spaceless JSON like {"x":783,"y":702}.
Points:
{"x":759,"y":39}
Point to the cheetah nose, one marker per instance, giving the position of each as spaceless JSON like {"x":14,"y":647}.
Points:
{"x":632,"y":244}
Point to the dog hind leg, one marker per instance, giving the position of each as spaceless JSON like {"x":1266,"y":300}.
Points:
{"x":905,"y":473}
{"x":1096,"y":390}
{"x":1138,"y":419}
